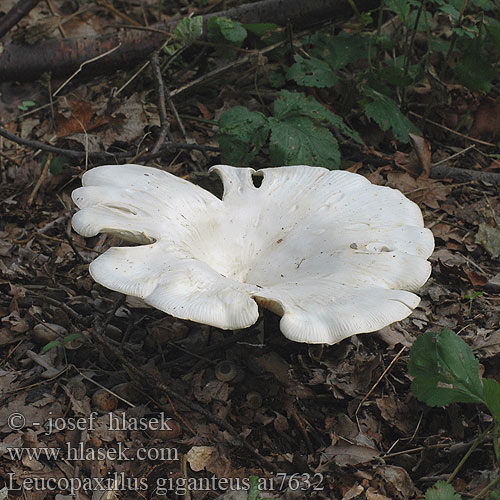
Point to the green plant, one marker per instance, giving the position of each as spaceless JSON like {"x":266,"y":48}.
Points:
{"x":26,"y":105}
{"x":295,"y":131}
{"x":254,"y":491}
{"x":367,"y":70}
{"x":471,"y":298}
{"x":63,"y":342}
{"x":445,"y":371}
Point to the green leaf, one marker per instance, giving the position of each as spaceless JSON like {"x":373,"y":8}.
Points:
{"x":491,"y":389}
{"x":385,"y":112}
{"x":261,"y":29}
{"x":189,"y":29}
{"x":70,"y":337}
{"x":445,"y":370}
{"x":299,"y":141}
{"x":254,"y":492}
{"x":242,"y":133}
{"x":57,"y":164}
{"x":340,"y":50}
{"x":441,"y":491}
{"x":233,"y":31}
{"x":291,"y":104}
{"x":311,"y":72}
{"x":476,"y":72}
{"x":50,"y":345}
{"x":494,"y":32}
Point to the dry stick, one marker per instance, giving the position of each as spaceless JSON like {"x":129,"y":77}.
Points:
{"x":40,"y":179}
{"x":384,"y":373}
{"x":70,"y":153}
{"x":15,"y":15}
{"x":464,"y":175}
{"x":88,"y":61}
{"x":432,"y":122}
{"x":150,"y":380}
{"x":162,"y":108}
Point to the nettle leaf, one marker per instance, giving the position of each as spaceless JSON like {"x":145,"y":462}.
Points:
{"x":233,"y":31}
{"x":445,"y":370}
{"x":299,"y":141}
{"x":311,"y":72}
{"x":491,"y":389}
{"x":340,"y":50}
{"x":241,"y":135}
{"x":385,"y":112}
{"x":476,"y":72}
{"x":189,"y":29}
{"x":441,"y":491}
{"x":291,"y":104}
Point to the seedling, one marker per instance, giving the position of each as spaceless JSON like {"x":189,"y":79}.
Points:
{"x":26,"y":105}
{"x":471,"y":297}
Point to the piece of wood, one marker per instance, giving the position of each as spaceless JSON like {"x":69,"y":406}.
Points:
{"x":63,"y":57}
{"x":15,"y":15}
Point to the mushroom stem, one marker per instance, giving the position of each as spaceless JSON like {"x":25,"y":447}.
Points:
{"x":271,"y":323}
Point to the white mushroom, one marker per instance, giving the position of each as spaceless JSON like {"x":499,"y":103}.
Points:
{"x":330,"y":252}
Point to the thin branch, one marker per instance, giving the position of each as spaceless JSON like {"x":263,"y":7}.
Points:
{"x":15,"y":15}
{"x":104,"y":156}
{"x":162,"y":107}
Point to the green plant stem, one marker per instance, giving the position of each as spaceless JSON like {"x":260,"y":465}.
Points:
{"x":379,"y":31}
{"x":454,"y":35}
{"x":487,"y":488}
{"x":474,"y":445}
{"x":409,"y":48}
{"x":355,"y":9}
{"x":495,"y":441}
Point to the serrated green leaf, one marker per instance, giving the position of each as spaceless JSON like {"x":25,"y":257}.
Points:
{"x":441,"y":491}
{"x":311,"y":72}
{"x":189,"y":29}
{"x":445,"y":370}
{"x":491,"y":389}
{"x":385,"y":112}
{"x":291,"y":104}
{"x":476,"y":72}
{"x":340,"y":50}
{"x":241,"y":134}
{"x":299,"y":141}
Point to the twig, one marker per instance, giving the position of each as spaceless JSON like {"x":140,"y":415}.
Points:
{"x":448,"y":158}
{"x":162,"y":108}
{"x":40,"y":179}
{"x":444,"y":127}
{"x":15,"y":15}
{"x":464,"y":175}
{"x":384,"y":373}
{"x":99,"y":156}
{"x":88,"y":61}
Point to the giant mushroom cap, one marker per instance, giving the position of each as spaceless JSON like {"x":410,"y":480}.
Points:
{"x":330,"y":252}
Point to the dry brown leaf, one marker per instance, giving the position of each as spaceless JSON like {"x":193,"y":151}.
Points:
{"x":422,"y":149}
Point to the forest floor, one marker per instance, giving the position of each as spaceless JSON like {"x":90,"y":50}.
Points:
{"x":319,"y":422}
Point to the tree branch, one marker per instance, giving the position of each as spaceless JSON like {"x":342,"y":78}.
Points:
{"x":64,"y":57}
{"x":15,"y":15}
